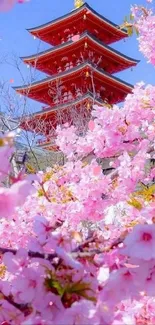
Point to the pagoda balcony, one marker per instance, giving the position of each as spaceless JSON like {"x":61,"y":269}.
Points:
{"x":77,"y":22}
{"x":74,"y":52}
{"x":76,"y":82}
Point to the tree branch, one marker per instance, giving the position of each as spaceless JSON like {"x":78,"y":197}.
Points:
{"x":30,"y":253}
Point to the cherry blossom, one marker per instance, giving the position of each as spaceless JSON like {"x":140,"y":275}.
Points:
{"x":6,"y":5}
{"x":141,"y":242}
{"x":78,"y":245}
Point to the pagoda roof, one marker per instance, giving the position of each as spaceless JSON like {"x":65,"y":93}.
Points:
{"x":39,"y":59}
{"x":32,"y":122}
{"x":30,"y":90}
{"x":42,"y":31}
{"x":50,"y":110}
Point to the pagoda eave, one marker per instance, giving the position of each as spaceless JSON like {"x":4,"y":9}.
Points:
{"x":66,"y":74}
{"x":50,"y":110}
{"x":57,"y":26}
{"x":42,"y":91}
{"x":34,"y":121}
{"x":46,"y":61}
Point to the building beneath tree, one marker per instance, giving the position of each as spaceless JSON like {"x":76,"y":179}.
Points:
{"x":80,"y":66}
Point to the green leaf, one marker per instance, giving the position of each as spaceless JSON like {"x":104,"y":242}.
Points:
{"x":135,"y":203}
{"x":30,"y":169}
{"x":84,"y":295}
{"x":78,"y":287}
{"x":53,"y":283}
{"x":40,"y":193}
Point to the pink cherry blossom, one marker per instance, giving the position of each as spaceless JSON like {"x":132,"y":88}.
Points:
{"x":5,"y":153}
{"x":75,"y":38}
{"x":80,"y":313}
{"x":42,"y":228}
{"x":16,"y":263}
{"x":91,"y":125}
{"x":6,"y":5}
{"x":28,"y":284}
{"x":140,"y":243}
{"x":7,"y":203}
{"x":78,"y":245}
{"x":97,"y":170}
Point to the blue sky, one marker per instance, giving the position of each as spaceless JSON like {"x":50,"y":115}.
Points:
{"x":15,"y":39}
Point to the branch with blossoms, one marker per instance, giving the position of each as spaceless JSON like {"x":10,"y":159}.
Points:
{"x":141,"y":21}
{"x":80,"y":251}
{"x":24,"y":308}
{"x":30,"y":253}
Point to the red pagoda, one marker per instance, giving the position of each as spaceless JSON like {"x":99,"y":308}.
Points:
{"x":80,"y":66}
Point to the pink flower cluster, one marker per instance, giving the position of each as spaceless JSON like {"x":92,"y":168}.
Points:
{"x":77,"y":244}
{"x":144,"y":21}
{"x":6,"y":5}
{"x":80,"y":250}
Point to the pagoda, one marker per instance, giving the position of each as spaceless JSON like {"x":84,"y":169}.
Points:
{"x":79,"y":68}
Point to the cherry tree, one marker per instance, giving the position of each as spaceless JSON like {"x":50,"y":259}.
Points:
{"x":78,"y":246}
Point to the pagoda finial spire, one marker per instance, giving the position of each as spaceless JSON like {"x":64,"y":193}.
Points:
{"x":78,"y":3}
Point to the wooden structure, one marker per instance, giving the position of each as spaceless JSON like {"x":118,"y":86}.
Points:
{"x":80,"y":67}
